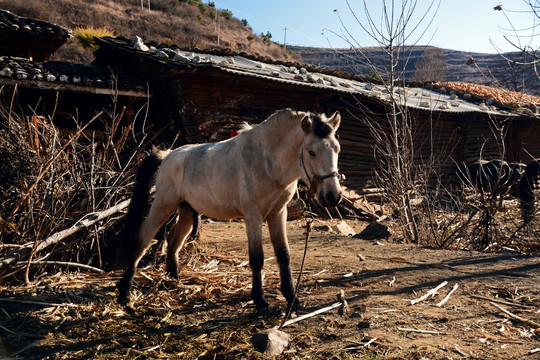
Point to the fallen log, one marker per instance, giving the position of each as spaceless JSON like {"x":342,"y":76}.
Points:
{"x":84,"y":222}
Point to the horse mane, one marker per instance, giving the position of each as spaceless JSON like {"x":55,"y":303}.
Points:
{"x":280,"y":119}
{"x":245,"y":127}
{"x":285,"y":119}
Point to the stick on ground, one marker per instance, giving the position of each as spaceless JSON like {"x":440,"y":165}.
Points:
{"x":516,"y":317}
{"x":431,"y":292}
{"x":443,"y":301}
{"x":420,"y":331}
{"x":316,"y":312}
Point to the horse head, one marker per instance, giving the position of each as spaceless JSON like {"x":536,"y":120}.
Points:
{"x":319,"y":157}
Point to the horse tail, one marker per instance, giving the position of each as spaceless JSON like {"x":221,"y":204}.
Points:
{"x":526,"y":190}
{"x":139,"y":203}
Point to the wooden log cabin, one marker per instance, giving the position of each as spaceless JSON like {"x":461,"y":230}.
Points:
{"x":205,"y":96}
{"x":201,"y":96}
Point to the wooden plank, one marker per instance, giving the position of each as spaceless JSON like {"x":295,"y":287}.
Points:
{"x":58,"y":86}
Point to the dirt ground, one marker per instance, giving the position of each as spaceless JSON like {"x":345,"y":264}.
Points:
{"x":208,"y":313}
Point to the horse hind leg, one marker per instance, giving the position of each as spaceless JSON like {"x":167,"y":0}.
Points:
{"x":159,"y":213}
{"x":176,"y":240}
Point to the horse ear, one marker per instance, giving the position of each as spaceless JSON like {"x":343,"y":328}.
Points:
{"x":335,"y":120}
{"x":307,"y":125}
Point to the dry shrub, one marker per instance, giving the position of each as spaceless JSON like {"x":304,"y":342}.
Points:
{"x":55,"y":178}
{"x":17,"y":157}
{"x":464,"y":215}
{"x":430,"y":205}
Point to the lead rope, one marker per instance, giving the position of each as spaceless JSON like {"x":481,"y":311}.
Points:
{"x":309,"y":226}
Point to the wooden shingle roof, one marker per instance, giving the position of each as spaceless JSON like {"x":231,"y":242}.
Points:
{"x":30,"y":38}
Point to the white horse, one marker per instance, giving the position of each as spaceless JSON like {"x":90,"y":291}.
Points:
{"x":253,"y":175}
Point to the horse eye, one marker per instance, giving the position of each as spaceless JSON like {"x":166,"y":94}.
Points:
{"x":311,"y":153}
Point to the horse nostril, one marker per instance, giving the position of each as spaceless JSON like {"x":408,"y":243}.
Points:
{"x":332,"y":199}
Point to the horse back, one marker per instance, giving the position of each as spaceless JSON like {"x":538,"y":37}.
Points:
{"x":222,"y":180}
{"x":206,"y":176}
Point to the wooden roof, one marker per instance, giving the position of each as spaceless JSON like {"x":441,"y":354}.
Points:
{"x":29,"y":38}
{"x":58,"y":75}
{"x":298,"y":75}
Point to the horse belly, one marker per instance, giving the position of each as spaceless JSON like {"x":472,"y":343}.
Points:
{"x":217,"y":207}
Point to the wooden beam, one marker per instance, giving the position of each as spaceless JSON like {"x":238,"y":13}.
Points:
{"x":58,"y":86}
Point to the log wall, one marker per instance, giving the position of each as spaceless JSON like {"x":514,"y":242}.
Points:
{"x":209,"y":104}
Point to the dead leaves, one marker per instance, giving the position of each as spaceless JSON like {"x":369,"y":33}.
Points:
{"x":503,"y":96}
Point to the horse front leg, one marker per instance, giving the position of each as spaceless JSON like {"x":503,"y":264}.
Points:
{"x":256,"y":261}
{"x":278,"y":234}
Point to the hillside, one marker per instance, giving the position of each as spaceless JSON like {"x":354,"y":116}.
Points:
{"x":185,"y":23}
{"x":486,"y":69}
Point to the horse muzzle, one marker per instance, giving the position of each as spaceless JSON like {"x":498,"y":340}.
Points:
{"x":327,"y":196}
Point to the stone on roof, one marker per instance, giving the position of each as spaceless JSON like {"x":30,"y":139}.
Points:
{"x":11,"y":23}
{"x":53,"y":74}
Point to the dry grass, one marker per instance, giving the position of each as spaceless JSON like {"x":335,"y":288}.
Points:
{"x":86,"y":35}
{"x":208,"y":314}
{"x":502,"y":96}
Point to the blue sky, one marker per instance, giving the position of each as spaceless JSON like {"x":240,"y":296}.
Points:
{"x":467,"y":25}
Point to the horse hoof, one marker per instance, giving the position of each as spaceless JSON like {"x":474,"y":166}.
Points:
{"x":299,"y":308}
{"x":172,"y":271}
{"x":264,"y":311}
{"x":123,"y":296}
{"x":123,"y":299}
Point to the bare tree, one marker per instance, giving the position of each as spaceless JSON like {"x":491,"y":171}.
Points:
{"x":430,"y":66}
{"x":395,"y":30}
{"x":409,"y":168}
{"x":523,"y":73}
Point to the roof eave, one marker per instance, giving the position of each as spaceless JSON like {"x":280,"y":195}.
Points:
{"x":45,"y":85}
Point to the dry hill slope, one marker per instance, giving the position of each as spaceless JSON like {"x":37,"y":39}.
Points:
{"x":191,"y":24}
{"x":471,"y":67}
{"x":187,"y":24}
